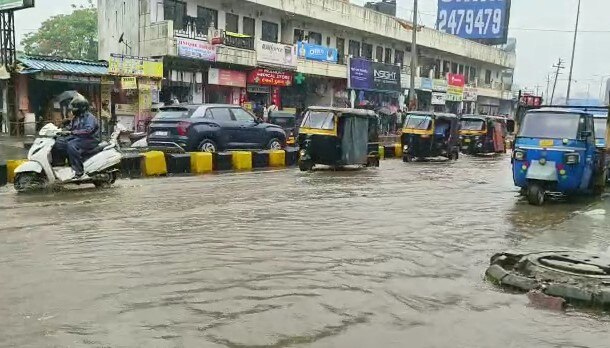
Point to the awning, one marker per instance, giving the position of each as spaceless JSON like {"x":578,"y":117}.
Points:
{"x":35,"y":64}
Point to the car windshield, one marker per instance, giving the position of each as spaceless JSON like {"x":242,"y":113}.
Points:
{"x":550,"y":125}
{"x":319,"y":120}
{"x":472,"y":125}
{"x":600,"y":127}
{"x":418,"y":122}
{"x":172,"y":113}
{"x":282,"y":121}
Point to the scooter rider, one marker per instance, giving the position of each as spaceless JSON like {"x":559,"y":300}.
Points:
{"x":82,"y":139}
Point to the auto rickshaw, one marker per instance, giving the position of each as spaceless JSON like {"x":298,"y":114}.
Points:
{"x":338,"y":137}
{"x":430,"y":134}
{"x":555,"y":153}
{"x":481,"y":134}
{"x":287,"y":121}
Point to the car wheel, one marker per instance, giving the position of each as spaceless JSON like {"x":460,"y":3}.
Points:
{"x":275,"y":144}
{"x":207,"y":145}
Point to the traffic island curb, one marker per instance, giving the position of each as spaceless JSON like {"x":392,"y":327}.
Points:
{"x":3,"y":174}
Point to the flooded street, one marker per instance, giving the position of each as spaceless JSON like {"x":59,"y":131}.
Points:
{"x":392,"y":257}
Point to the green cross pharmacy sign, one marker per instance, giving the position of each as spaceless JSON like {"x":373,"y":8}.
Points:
{"x":11,"y":5}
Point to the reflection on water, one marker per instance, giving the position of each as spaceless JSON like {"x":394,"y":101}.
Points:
{"x":372,"y":258}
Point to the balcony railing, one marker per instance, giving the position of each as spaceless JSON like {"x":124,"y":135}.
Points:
{"x":228,"y":38}
{"x":192,"y":28}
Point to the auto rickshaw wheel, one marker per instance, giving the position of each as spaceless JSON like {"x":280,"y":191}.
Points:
{"x":535,"y":194}
{"x":305,"y":166}
{"x":454,"y":156}
{"x":407,"y":158}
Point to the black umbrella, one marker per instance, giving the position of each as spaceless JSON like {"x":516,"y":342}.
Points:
{"x":386,"y":111}
{"x":66,"y":96}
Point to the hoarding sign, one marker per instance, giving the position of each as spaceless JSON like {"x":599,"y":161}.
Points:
{"x":470,"y":94}
{"x":6,"y":5}
{"x":317,"y":52}
{"x":120,"y":65}
{"x":268,"y":77}
{"x":438,"y":98}
{"x":224,"y":77}
{"x":439,"y":85}
{"x":277,"y":55}
{"x":455,"y":89}
{"x":475,"y":20}
{"x":426,"y":84}
{"x":196,"y":49}
{"x":373,"y":76}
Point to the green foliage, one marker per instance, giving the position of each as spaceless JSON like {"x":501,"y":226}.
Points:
{"x":67,"y":35}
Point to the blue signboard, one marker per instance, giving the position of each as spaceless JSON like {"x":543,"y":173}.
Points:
{"x":475,"y":19}
{"x":316,"y":52}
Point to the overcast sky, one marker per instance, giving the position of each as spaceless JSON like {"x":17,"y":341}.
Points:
{"x":537,"y":50}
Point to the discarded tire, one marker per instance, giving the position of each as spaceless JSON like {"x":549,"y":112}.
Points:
{"x":578,"y":277}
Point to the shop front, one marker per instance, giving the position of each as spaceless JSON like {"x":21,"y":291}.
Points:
{"x":40,"y":83}
{"x":133,"y":89}
{"x":470,"y":100}
{"x":439,"y":95}
{"x":424,"y":94}
{"x":225,"y":87}
{"x":488,"y":105}
{"x":455,"y":93}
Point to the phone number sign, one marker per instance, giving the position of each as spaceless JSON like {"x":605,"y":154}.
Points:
{"x":474,"y":19}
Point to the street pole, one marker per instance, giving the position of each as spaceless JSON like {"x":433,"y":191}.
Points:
{"x":559,"y":66}
{"x":573,"y":53}
{"x":548,"y":84}
{"x":412,"y":98}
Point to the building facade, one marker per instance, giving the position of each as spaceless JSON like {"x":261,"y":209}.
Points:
{"x":301,"y":52}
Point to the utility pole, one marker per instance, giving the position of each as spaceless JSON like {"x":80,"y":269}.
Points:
{"x":558,"y":66}
{"x":412,"y":98}
{"x":537,"y":87}
{"x":573,"y":53}
{"x":548,"y":84}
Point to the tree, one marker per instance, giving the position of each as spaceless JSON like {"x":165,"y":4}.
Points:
{"x":67,"y":35}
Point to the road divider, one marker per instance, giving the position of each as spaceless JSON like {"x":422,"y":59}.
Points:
{"x":158,"y":163}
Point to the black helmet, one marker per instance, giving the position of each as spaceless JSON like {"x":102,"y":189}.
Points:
{"x":79,"y":104}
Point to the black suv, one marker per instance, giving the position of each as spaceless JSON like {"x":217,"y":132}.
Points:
{"x":212,"y":128}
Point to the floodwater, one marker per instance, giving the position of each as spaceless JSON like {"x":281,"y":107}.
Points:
{"x":392,"y":257}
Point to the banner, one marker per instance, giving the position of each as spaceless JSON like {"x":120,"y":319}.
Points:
{"x":438,"y":98}
{"x":475,"y":20}
{"x":426,"y":84}
{"x":268,"y":77}
{"x":455,"y":89}
{"x":196,"y":49}
{"x":224,"y":77}
{"x":439,"y":85}
{"x":134,"y":66}
{"x":470,"y":94}
{"x":277,"y":55}
{"x":317,"y":52}
{"x":372,"y":76}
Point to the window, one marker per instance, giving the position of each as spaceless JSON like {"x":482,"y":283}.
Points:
{"x":209,"y":16}
{"x":341,"y":50}
{"x":454,"y":68}
{"x":222,"y":114}
{"x":315,"y":38}
{"x":367,"y":50}
{"x":242,"y":115}
{"x":174,"y":112}
{"x":175,"y":11}
{"x":328,"y":41}
{"x":270,"y":32}
{"x":488,"y":77}
{"x":354,"y":48}
{"x":299,"y":35}
{"x":232,"y":23}
{"x":388,"y":56}
{"x":473,"y":75}
{"x":249,"y":26}
{"x":399,"y":57}
{"x":379,"y":53}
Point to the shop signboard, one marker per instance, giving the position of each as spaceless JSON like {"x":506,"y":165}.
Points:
{"x":269,"y":77}
{"x":276,"y":55}
{"x":482,"y":20}
{"x":470,"y":94}
{"x":455,"y":89}
{"x":196,"y":49}
{"x":11,"y":5}
{"x":373,"y":76}
{"x":317,"y":52}
{"x":224,"y":77}
{"x":129,"y":83}
{"x":439,"y":98}
{"x":439,"y":85}
{"x":259,"y":89}
{"x":120,"y":65}
{"x":426,"y":84}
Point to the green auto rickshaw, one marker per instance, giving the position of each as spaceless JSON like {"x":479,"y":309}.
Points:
{"x":338,"y":137}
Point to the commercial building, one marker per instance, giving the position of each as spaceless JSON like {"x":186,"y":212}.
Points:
{"x":301,"y":52}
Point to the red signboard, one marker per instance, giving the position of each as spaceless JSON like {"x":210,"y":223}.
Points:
{"x":531,"y":100}
{"x":227,"y":78}
{"x":456,"y":80}
{"x":268,"y":77}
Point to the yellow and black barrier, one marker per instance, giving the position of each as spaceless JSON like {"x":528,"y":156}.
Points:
{"x":158,"y":163}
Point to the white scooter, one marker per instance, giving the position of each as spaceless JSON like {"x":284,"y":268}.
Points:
{"x":101,"y":164}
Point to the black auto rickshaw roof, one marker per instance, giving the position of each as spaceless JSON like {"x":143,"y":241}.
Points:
{"x":345,"y":111}
{"x":483,"y":117}
{"x":434,"y":115}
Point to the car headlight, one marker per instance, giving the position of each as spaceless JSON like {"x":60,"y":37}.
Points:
{"x":519,"y":155}
{"x":571,"y":158}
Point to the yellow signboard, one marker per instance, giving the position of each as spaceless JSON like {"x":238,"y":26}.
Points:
{"x":129,"y":83}
{"x":134,"y":66}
